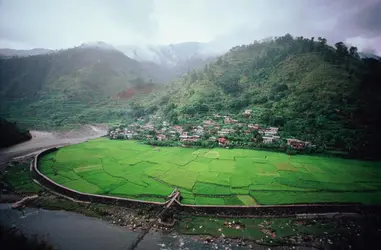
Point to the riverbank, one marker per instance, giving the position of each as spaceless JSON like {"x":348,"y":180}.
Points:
{"x":45,"y":139}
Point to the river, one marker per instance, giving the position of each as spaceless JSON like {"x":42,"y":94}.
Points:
{"x":71,"y":231}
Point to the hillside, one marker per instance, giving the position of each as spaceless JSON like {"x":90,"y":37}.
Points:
{"x":310,"y":90}
{"x":70,"y":86}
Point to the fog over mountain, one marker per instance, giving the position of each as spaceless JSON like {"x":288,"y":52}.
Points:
{"x":170,"y":55}
{"x":20,"y":53}
{"x":139,"y":28}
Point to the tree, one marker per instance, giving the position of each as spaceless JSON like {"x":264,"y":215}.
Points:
{"x":341,"y":49}
{"x":322,"y":40}
{"x":353,"y":52}
{"x":190,"y":110}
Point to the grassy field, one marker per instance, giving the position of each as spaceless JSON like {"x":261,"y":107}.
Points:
{"x":211,"y":177}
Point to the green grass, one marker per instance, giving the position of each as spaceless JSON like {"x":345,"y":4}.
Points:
{"x":210,"y":189}
{"x":19,"y":179}
{"x":210,"y":177}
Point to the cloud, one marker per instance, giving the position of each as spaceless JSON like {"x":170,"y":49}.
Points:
{"x":60,"y":24}
{"x":66,"y":23}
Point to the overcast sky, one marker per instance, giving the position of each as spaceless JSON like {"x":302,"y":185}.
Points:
{"x":56,"y":24}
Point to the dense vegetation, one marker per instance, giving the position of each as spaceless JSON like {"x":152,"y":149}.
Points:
{"x":11,"y":134}
{"x":211,"y":176}
{"x":310,"y":90}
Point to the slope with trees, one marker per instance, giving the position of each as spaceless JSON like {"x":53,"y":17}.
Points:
{"x":312,"y":91}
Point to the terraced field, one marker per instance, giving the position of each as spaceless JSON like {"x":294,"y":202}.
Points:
{"x":211,"y":177}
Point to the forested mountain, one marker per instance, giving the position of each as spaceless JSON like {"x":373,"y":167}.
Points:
{"x":69,"y":86}
{"x":310,"y":90}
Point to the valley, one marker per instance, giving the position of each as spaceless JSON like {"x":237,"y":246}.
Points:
{"x":267,"y":124}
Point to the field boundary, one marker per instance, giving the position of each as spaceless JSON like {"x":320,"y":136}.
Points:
{"x":218,"y":210}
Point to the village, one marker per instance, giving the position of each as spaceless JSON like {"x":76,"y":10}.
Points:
{"x":217,"y":130}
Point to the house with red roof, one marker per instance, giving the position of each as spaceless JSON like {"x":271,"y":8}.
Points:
{"x":222,"y":141}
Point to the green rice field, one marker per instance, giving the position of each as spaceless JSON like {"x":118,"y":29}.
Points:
{"x":211,"y":176}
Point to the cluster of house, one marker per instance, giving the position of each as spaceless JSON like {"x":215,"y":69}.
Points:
{"x":210,"y":126}
{"x":124,"y":132}
{"x":299,"y":144}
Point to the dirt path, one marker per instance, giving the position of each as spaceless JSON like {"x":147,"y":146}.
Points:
{"x":42,"y":139}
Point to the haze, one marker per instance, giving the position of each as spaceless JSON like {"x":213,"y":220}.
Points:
{"x":60,"y":24}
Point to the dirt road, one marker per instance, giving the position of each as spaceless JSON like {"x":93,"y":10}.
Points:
{"x":42,"y":139}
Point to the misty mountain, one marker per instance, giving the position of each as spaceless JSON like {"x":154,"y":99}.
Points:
{"x":369,"y":55}
{"x":98,"y":45}
{"x":60,"y":87}
{"x":169,"y":62}
{"x":169,"y":55}
{"x":23,"y":53}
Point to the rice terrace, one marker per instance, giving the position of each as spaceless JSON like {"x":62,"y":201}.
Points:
{"x":211,"y":176}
